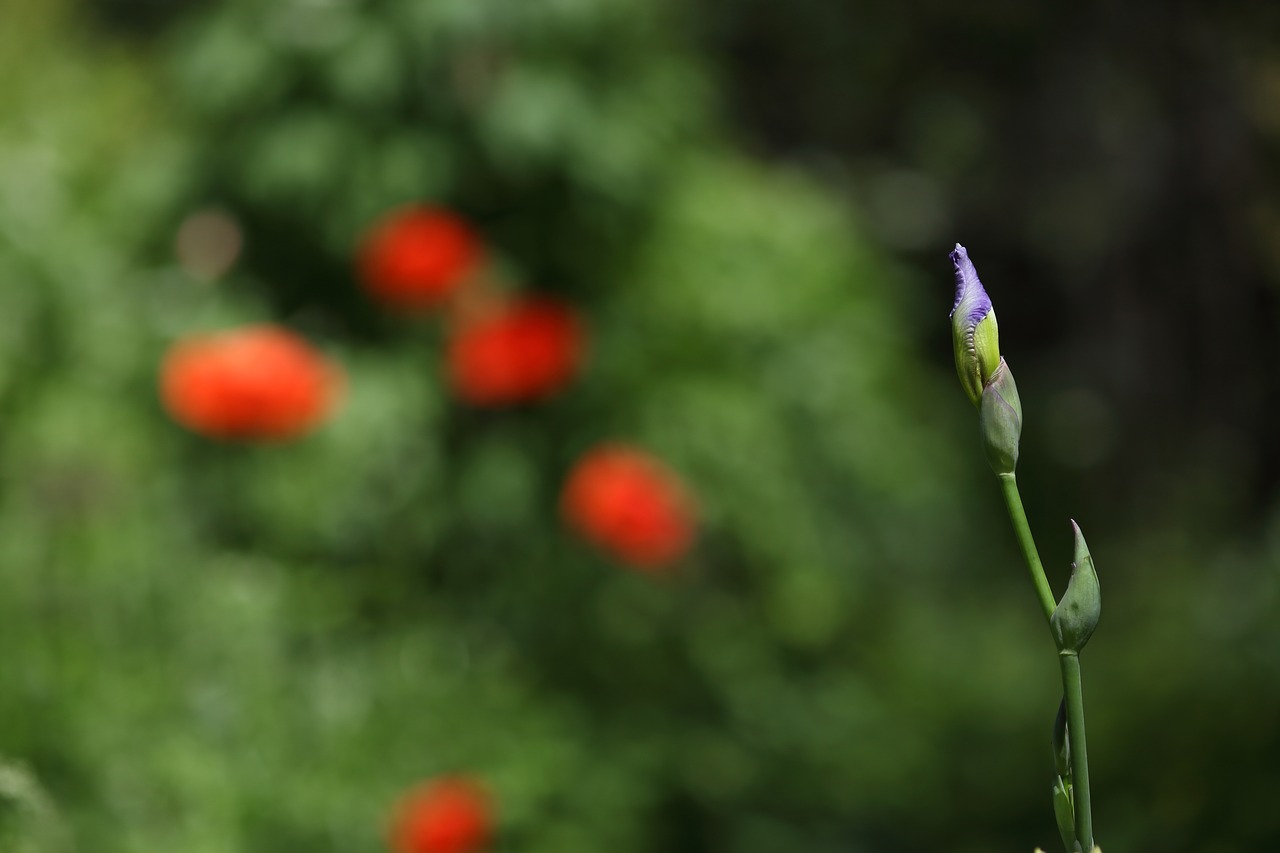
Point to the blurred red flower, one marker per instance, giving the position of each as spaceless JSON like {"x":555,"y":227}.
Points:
{"x":448,"y":815}
{"x":416,"y":257}
{"x":525,"y":350}
{"x":631,"y":505}
{"x":250,"y":383}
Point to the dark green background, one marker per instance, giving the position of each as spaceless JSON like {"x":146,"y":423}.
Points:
{"x":212,"y":648}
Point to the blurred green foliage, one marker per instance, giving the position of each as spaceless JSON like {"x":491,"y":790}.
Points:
{"x":216,"y":647}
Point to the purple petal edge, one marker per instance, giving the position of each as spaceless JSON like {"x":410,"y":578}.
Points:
{"x":968,"y":285}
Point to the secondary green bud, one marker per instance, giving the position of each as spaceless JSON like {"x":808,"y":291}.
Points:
{"x":1000,"y":419}
{"x":974,"y":332}
{"x":1061,"y":746}
{"x":1077,"y":614}
{"x":1065,"y":812}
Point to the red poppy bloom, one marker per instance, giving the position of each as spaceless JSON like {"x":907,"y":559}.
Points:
{"x":416,"y":257}
{"x":630,"y":505}
{"x":525,"y":350}
{"x":450,"y":815}
{"x":251,"y":383}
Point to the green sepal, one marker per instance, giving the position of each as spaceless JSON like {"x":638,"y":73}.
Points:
{"x":977,"y":353}
{"x":1077,"y":614}
{"x":1065,"y":813}
{"x":986,"y":345}
{"x":1000,"y":420}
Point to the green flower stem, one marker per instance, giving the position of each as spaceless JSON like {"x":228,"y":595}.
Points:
{"x":1074,"y":691}
{"x":1013,"y":500}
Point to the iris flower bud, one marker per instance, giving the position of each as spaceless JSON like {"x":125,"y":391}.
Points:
{"x":1078,"y":612}
{"x":973,"y":329}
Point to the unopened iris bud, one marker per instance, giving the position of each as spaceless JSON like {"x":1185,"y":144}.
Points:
{"x":1000,"y":419}
{"x":1078,"y":612}
{"x":974,"y":333}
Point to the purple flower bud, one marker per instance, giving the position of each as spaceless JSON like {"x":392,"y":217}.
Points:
{"x":974,"y":332}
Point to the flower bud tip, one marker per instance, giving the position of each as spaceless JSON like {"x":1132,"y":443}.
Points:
{"x":1080,"y":550}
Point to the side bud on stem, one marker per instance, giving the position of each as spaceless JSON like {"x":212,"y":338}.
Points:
{"x":1064,"y":812}
{"x":1064,"y":809}
{"x":1076,"y":617}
